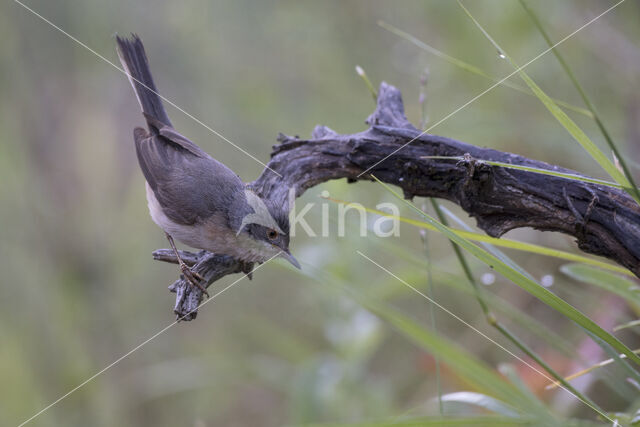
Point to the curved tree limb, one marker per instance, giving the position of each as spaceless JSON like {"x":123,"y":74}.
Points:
{"x":605,"y":221}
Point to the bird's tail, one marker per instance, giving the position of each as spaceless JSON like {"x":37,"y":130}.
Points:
{"x":135,"y":63}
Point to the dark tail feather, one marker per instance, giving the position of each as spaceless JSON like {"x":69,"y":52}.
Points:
{"x":135,"y":63}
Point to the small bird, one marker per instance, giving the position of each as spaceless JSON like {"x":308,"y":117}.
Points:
{"x":192,"y":196}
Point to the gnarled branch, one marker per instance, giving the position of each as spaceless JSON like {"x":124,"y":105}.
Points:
{"x":605,"y":221}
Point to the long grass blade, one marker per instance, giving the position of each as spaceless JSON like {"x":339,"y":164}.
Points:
{"x":471,"y":369}
{"x":585,"y":98}
{"x":468,"y":367}
{"x":493,"y":320}
{"x":570,"y":176}
{"x":627,"y":325}
{"x":571,"y":127}
{"x":483,"y":401}
{"x":499,"y":304}
{"x":491,"y":248}
{"x":458,"y":360}
{"x":544,"y":418}
{"x":621,"y":286}
{"x":452,"y":421}
{"x":543,"y":294}
{"x":472,"y":68}
{"x":585,"y":371}
{"x":504,"y":243}
{"x":432,"y":314}
{"x":367,"y":82}
{"x":620,"y":386}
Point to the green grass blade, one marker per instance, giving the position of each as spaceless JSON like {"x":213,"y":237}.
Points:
{"x":543,"y":294}
{"x":493,"y":321}
{"x":491,"y":248}
{"x":453,"y":421}
{"x":505,"y":243}
{"x":469,"y":368}
{"x":497,"y":303}
{"x":621,"y":386}
{"x":570,"y":176}
{"x":472,"y":68}
{"x":543,"y":417}
{"x":585,"y":98}
{"x":610,"y":282}
{"x":571,"y":127}
{"x":367,"y":82}
{"x":462,"y":260}
{"x":502,"y":306}
{"x":583,"y":372}
{"x":432,"y":315}
{"x":483,"y":401}
{"x":631,"y":324}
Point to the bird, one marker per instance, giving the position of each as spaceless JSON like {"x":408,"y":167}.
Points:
{"x":193,"y":197}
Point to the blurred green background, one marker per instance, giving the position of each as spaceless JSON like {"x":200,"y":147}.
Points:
{"x":79,"y":288}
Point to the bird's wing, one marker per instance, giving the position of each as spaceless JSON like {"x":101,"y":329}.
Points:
{"x":189,"y":184}
{"x":173,"y":136}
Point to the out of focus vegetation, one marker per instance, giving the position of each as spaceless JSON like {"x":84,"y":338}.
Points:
{"x":341,"y":341}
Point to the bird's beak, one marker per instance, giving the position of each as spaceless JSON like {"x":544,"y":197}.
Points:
{"x":287,"y":255}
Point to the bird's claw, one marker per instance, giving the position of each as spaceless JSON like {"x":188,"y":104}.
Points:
{"x":193,"y":277}
{"x":247,"y":268}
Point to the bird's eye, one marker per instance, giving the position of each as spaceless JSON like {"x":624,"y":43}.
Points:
{"x":272,"y":234}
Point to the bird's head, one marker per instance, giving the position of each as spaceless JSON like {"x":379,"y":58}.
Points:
{"x":266,"y":224}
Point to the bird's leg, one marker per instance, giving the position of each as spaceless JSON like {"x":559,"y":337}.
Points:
{"x":192,"y":276}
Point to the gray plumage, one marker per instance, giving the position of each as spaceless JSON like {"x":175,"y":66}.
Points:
{"x":192,"y":196}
